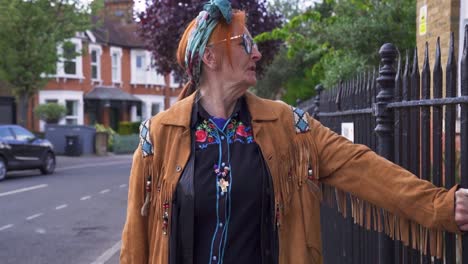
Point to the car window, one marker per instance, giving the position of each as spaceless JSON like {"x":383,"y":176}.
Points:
{"x":22,"y":134}
{"x":5,"y":133}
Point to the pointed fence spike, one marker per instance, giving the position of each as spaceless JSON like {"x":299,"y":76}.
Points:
{"x":437,"y":72}
{"x":405,"y":73}
{"x":451,"y":55}
{"x":465,"y":43}
{"x":451,"y":70}
{"x":437,"y":63}
{"x":426,"y":75}
{"x":415,"y":62}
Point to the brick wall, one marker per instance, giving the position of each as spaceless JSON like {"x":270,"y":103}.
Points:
{"x":443,"y":17}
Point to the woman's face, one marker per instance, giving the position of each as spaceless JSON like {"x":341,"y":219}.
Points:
{"x":242,"y":72}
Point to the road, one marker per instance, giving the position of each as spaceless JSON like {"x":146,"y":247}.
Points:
{"x":74,"y":216}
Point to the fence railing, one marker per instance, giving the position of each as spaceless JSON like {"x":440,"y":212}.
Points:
{"x":395,"y":114}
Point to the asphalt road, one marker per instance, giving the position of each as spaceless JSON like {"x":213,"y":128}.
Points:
{"x":74,"y":216}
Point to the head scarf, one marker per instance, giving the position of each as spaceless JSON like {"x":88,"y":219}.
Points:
{"x":205,"y":23}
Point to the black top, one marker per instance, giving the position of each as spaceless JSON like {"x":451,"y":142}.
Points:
{"x":228,"y":189}
{"x":223,"y":210}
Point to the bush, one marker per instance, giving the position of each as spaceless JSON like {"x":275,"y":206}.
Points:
{"x":128,"y":128}
{"x":51,"y":113}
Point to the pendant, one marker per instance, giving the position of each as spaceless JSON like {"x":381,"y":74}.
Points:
{"x":223,"y":184}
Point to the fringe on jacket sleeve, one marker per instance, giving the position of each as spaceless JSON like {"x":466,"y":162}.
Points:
{"x":135,"y":233}
{"x":384,"y":197}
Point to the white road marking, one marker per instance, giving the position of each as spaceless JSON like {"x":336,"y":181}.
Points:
{"x":85,"y":198}
{"x":123,"y":185}
{"x":104,"y":191}
{"x":90,"y":165}
{"x":61,"y":206}
{"x":40,"y":230}
{"x":108,"y":254}
{"x":35,"y":187}
{"x":5,"y":227}
{"x":33,"y":216}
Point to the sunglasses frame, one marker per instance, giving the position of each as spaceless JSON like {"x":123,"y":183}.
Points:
{"x":247,"y":42}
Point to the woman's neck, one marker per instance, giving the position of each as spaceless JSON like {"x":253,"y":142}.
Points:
{"x":217,"y":103}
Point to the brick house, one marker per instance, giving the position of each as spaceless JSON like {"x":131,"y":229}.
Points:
{"x":111,"y":79}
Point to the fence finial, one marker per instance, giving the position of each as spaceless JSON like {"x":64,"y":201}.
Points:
{"x":318,"y":92}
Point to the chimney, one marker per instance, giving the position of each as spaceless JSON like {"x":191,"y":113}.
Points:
{"x":119,"y":10}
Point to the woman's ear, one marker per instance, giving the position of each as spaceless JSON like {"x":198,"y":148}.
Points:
{"x":209,"y":58}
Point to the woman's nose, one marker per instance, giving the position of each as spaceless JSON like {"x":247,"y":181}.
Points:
{"x":256,"y":54}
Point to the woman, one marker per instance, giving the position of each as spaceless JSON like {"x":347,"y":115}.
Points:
{"x":226,"y":177}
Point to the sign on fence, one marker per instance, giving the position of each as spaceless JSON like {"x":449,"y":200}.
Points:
{"x":347,"y":130}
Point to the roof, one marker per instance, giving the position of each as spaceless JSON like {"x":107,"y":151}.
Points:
{"x":110,"y":93}
{"x":114,"y":32}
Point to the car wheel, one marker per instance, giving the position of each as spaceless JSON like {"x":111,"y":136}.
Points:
{"x":48,"y":164}
{"x":3,"y":169}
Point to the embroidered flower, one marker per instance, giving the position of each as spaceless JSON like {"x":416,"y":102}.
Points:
{"x":201,"y":135}
{"x":207,"y":133}
{"x":241,"y":131}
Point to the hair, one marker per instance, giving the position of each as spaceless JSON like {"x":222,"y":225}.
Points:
{"x":222,"y":31}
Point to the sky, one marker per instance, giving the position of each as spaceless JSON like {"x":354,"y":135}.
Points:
{"x":140,"y":4}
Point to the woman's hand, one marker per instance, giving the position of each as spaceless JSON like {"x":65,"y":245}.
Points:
{"x":461,"y":209}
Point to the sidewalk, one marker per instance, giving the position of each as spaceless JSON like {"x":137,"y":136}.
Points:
{"x":65,"y":161}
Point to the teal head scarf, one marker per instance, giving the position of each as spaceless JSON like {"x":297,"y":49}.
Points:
{"x":206,"y":21}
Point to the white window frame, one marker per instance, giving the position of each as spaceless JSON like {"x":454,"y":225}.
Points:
{"x":98,"y":50}
{"x":153,"y":77}
{"x":78,"y":61}
{"x":61,"y":96}
{"x":76,"y":106}
{"x":117,"y":51}
{"x":135,"y":79}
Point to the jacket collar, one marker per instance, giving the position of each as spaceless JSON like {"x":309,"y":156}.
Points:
{"x":180,"y":113}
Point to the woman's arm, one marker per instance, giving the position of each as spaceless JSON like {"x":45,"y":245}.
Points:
{"x":135,"y":236}
{"x":358,"y":170}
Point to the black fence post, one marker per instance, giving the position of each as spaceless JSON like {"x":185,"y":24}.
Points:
{"x":464,"y":133}
{"x":318,"y":91}
{"x":384,"y":128}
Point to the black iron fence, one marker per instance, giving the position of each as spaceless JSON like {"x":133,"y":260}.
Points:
{"x":394,"y":113}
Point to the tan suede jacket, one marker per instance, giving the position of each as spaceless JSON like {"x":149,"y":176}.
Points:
{"x":299,"y":160}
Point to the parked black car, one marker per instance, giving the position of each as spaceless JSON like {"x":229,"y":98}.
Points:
{"x":22,"y":150}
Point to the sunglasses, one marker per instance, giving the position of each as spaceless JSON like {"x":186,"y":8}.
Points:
{"x":247,"y":42}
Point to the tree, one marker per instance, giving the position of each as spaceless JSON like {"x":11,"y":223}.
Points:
{"x":30,"y":32}
{"x":163,"y":23}
{"x":340,"y":38}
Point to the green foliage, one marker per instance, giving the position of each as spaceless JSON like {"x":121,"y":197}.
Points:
{"x":128,"y":128}
{"x":337,"y":39}
{"x":125,"y":144}
{"x":50,"y":112}
{"x":30,"y":32}
{"x":111,"y":134}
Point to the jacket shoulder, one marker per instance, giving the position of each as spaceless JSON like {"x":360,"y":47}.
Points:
{"x":295,"y":116}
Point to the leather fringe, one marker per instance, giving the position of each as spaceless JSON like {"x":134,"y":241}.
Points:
{"x":367,"y":215}
{"x":294,"y":171}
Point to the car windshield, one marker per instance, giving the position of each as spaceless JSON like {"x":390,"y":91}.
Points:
{"x":22,"y":134}
{"x":5,"y":133}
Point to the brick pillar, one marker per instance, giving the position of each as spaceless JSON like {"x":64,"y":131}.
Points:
{"x":124,"y":112}
{"x":443,"y":17}
{"x":105,"y":116}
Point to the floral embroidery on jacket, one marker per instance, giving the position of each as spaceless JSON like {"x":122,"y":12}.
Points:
{"x":206,"y":133}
